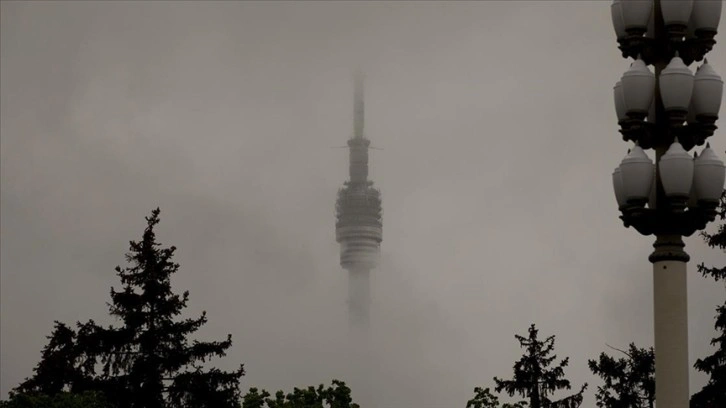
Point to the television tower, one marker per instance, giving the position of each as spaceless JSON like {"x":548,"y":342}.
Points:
{"x":358,"y":226}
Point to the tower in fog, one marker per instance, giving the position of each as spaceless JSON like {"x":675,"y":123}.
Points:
{"x":358,"y":226}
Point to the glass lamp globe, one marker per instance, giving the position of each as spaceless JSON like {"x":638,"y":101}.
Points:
{"x":619,"y":99}
{"x":676,"y":171}
{"x":707,"y":93}
{"x":708,"y":176}
{"x":618,"y":188}
{"x":705,"y":17}
{"x":636,"y":171}
{"x":636,"y":14}
{"x":616,"y":13}
{"x":676,"y":86}
{"x":676,"y":14}
{"x":638,"y":85}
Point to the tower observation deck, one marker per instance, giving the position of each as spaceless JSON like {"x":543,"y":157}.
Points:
{"x":358,"y":226}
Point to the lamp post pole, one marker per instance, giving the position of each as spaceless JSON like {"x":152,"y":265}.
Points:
{"x":670,"y":294}
{"x":670,"y":111}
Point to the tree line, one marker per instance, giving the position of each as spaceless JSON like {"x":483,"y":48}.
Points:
{"x":149,"y":361}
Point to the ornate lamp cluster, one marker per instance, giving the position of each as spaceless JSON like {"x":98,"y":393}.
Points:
{"x":670,"y":111}
{"x":691,"y":26}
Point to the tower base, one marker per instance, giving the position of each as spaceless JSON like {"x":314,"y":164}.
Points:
{"x":359,"y":297}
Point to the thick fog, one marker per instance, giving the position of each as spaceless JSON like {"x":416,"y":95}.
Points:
{"x":499,"y":138}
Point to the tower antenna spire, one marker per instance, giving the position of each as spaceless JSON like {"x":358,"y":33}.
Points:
{"x":358,"y":105}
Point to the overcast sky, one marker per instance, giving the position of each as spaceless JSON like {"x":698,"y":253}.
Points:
{"x":500,"y":138}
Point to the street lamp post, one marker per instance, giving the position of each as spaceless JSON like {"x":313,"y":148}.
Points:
{"x":671,"y":111}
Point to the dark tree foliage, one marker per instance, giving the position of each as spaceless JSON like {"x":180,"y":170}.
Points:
{"x":533,"y":377}
{"x":483,"y":398}
{"x":716,"y":240}
{"x":335,"y":396}
{"x":713,"y":394}
{"x":148,"y":361}
{"x":59,"y":368}
{"x":88,"y":399}
{"x":629,"y":382}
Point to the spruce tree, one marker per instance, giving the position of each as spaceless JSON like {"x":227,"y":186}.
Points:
{"x":716,"y":240}
{"x":533,"y":377}
{"x":149,"y":360}
{"x":58,"y":370}
{"x":629,"y":382}
{"x":483,"y":398}
{"x":713,"y":393}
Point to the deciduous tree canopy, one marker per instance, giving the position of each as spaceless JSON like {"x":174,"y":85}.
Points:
{"x":335,"y":396}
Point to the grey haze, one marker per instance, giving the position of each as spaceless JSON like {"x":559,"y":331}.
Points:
{"x":499,"y":134}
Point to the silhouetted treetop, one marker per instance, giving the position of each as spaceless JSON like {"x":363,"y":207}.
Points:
{"x":149,"y":360}
{"x":535,"y":376}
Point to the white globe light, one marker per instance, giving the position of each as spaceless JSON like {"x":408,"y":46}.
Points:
{"x":708,"y":176}
{"x":706,"y":15}
{"x":616,"y":13}
{"x":638,"y":88}
{"x":676,"y":85}
{"x":636,"y":172}
{"x":676,"y":171}
{"x":636,"y":14}
{"x":707,"y":91}
{"x":676,"y":12}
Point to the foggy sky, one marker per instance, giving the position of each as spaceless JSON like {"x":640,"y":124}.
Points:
{"x":500,"y":138}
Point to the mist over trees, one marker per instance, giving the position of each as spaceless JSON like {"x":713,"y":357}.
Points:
{"x":148,"y":360}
